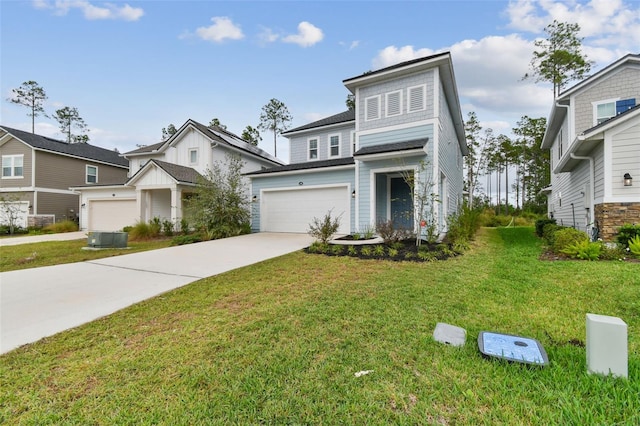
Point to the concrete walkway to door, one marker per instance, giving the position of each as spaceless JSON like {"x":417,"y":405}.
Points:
{"x":40,"y":302}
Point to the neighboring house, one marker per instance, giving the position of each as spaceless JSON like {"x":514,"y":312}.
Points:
{"x":355,"y":163}
{"x":163,"y":175}
{"x":37,"y":172}
{"x":593,"y":134}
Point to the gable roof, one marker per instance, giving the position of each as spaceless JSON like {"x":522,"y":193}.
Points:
{"x":216,"y":134}
{"x":79,"y":150}
{"x":558,"y":112}
{"x":340,"y":118}
{"x":181,"y":174}
{"x":346,"y":161}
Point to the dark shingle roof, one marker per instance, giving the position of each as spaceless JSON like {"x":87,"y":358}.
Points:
{"x":392,"y":147}
{"x":182,"y":174}
{"x":305,"y":166}
{"x":147,"y":148}
{"x":400,"y":65}
{"x":343,"y":117}
{"x":83,"y":150}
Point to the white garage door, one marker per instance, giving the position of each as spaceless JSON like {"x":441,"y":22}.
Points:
{"x":293,"y":210}
{"x":112,"y":215}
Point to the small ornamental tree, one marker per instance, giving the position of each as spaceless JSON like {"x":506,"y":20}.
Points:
{"x":219,"y":207}
{"x":420,"y":182}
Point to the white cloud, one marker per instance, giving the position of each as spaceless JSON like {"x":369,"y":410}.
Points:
{"x":267,"y":35}
{"x":307,"y":35}
{"x":90,"y":11}
{"x":609,"y":24}
{"x":222,"y":29}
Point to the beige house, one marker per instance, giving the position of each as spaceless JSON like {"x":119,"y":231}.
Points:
{"x":37,"y":172}
{"x":593,"y":134}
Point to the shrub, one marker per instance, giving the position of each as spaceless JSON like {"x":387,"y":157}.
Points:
{"x":567,"y":236}
{"x":59,"y":227}
{"x":318,"y":247}
{"x":127,"y":229}
{"x":366,"y":250}
{"x":393,"y":252}
{"x":184,"y":225}
{"x":549,"y":233}
{"x":337,"y":249}
{"x":186,"y":239}
{"x":612,"y":252}
{"x":428,"y":256}
{"x":388,"y":232}
{"x":368,"y":232}
{"x":463,"y":227}
{"x":626,"y":233}
{"x":324,"y":229}
{"x":540,"y":223}
{"x":583,"y":249}
{"x":167,"y":227}
{"x":634,"y":245}
{"x":144,"y":231}
{"x":379,"y":250}
{"x":352,"y":251}
{"x":155,"y":226}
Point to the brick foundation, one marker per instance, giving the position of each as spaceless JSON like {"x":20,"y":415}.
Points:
{"x":611,"y":216}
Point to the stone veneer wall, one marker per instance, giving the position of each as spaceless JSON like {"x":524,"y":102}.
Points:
{"x":611,"y":216}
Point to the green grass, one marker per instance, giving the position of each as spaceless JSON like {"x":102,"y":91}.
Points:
{"x":34,"y":255}
{"x":279,"y":343}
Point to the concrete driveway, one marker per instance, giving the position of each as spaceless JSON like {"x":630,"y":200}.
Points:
{"x":39,"y":302}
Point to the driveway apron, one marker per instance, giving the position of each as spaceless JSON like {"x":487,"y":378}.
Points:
{"x":39,"y":302}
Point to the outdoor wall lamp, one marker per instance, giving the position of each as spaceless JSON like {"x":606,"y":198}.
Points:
{"x":353,"y":194}
{"x":628,"y":180}
{"x":254,"y":198}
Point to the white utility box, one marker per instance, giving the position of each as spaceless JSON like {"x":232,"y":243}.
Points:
{"x":607,"y":351}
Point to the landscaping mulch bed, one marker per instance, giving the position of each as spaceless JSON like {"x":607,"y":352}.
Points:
{"x":402,"y":250}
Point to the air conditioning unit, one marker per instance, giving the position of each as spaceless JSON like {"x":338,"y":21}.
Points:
{"x":107,"y":239}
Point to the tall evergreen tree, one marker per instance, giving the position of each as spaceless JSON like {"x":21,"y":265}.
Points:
{"x":31,"y":95}
{"x":252,"y":135}
{"x":275,"y":117}
{"x":69,"y":118}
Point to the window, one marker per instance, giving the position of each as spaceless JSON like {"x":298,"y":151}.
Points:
{"x":12,"y":166}
{"x":394,"y":103}
{"x":417,"y":98}
{"x":608,"y":109}
{"x":372,"y":108}
{"x":193,"y":156}
{"x":353,"y":142}
{"x":560,"y":145}
{"x":92,"y":174}
{"x":334,"y":145}
{"x":313,"y":149}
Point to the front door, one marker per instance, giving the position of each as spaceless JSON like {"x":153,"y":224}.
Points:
{"x":401,"y":203}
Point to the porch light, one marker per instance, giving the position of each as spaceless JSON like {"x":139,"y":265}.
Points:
{"x":353,"y":194}
{"x":628,"y":180}
{"x":254,"y":198}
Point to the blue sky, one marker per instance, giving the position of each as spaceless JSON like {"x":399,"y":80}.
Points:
{"x":132,"y":68}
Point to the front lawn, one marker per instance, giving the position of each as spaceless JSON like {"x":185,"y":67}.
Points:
{"x":49,"y":253}
{"x":280,"y":342}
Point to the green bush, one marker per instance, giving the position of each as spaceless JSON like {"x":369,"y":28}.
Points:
{"x":145,"y":231}
{"x":549,"y":233}
{"x":540,"y":223}
{"x":59,"y":227}
{"x":352,"y":251}
{"x":186,"y":239}
{"x":379,"y":250}
{"x":634,"y":245}
{"x":167,"y":227}
{"x":583,"y":249}
{"x":324,"y":229}
{"x":568,"y":236}
{"x":626,"y":233}
{"x":388,"y":232}
{"x":127,"y":229}
{"x":462,"y":227}
{"x":612,"y":252}
{"x":337,"y":249}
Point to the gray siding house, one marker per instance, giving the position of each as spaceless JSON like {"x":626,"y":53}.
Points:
{"x":593,"y":134}
{"x":406,"y":123}
{"x":38,"y":171}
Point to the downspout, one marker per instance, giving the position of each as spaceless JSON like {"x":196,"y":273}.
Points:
{"x":591,"y":185}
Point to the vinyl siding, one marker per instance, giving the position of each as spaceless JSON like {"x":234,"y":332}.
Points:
{"x":598,"y":157}
{"x":401,"y":135}
{"x":59,"y":172}
{"x":626,"y":159}
{"x":14,"y":147}
{"x":622,"y":84}
{"x":319,"y":178}
{"x":63,"y":206}
{"x":569,"y":186}
{"x":398,"y":84}
{"x":298,"y":145}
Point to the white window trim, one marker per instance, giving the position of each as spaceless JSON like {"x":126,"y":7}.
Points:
{"x":192,"y":163}
{"x":329,"y":145}
{"x":317,"y":148}
{"x":366,"y":108}
{"x":352,"y":142}
{"x":13,"y":166}
{"x":86,"y":175}
{"x":386,"y":103}
{"x":602,"y":102}
{"x":424,"y":98}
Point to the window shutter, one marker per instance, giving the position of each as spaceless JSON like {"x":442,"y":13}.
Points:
{"x":393,"y":104}
{"x":373,"y":108}
{"x":416,"y":99}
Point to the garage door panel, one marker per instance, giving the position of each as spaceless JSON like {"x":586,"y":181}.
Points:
{"x":294,"y":210}
{"x":112,"y":215}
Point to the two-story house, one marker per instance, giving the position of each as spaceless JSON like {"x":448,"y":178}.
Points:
{"x":162,"y":175}
{"x":37,"y":172}
{"x":593,"y":134}
{"x":406,"y":127}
